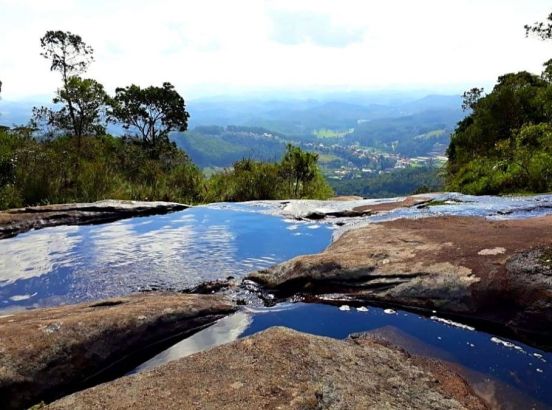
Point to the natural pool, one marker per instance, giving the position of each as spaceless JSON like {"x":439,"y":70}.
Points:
{"x":69,"y":264}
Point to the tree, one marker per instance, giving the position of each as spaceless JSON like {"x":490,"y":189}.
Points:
{"x":83,"y":116}
{"x":299,"y":168}
{"x":150,"y":113}
{"x":547,"y":72}
{"x":68,"y":53}
{"x":540,"y":29}
{"x":471,"y":97}
{"x":70,"y":56}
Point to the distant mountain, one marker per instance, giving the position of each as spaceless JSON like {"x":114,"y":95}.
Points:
{"x":301,"y":118}
{"x":220,"y":147}
{"x":408,"y":124}
{"x":13,"y":113}
{"x":433,"y":102}
{"x":410,"y":135}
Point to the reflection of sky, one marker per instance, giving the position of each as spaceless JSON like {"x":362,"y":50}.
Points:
{"x":225,"y":330}
{"x":172,"y":251}
{"x":37,"y":253}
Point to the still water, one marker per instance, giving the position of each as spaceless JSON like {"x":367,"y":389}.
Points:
{"x":508,"y":374}
{"x":68,"y":264}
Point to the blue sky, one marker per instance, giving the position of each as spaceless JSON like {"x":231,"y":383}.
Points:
{"x":213,"y":47}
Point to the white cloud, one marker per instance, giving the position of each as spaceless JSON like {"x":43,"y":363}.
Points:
{"x":212,"y":46}
{"x":293,"y":28}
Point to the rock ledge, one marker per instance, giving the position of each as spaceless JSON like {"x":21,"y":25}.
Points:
{"x":16,"y":221}
{"x":47,"y":353}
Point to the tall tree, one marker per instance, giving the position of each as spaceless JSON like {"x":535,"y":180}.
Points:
{"x":70,"y":56}
{"x":150,"y":113}
{"x":86,"y":115}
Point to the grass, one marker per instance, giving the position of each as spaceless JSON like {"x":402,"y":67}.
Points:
{"x":327,"y":133}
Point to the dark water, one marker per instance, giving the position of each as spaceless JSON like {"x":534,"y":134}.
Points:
{"x":517,"y":376}
{"x":74,"y":263}
{"x":474,"y":350}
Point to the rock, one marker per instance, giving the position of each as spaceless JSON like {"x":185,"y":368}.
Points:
{"x":281,"y":368}
{"x":350,"y":208}
{"x":495,"y":272}
{"x":407,"y":202}
{"x":212,"y":286}
{"x":16,"y":221}
{"x":47,"y":353}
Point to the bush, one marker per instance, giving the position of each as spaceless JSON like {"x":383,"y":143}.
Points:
{"x":58,"y":170}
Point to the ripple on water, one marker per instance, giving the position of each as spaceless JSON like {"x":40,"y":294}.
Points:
{"x":174,"y":251}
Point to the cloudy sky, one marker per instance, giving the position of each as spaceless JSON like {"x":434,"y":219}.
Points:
{"x":214,"y":47}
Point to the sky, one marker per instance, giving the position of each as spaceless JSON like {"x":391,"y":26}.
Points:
{"x":222,"y":47}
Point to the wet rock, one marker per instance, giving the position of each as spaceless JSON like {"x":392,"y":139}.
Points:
{"x":351,"y":208}
{"x":212,"y":286}
{"x":494,"y":272}
{"x":46,"y":353}
{"x":16,"y":221}
{"x":281,"y":368}
{"x":529,"y":275}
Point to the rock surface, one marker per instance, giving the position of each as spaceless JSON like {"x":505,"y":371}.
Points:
{"x":284,"y":369}
{"x":498,"y":272}
{"x":16,"y":221}
{"x":349,"y":207}
{"x":47,"y":353}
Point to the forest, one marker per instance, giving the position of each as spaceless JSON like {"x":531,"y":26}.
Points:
{"x":504,"y":145}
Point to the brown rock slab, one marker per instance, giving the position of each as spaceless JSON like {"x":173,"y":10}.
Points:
{"x":46,"y":353}
{"x":493,"y":271}
{"x":16,"y":221}
{"x":284,"y":369}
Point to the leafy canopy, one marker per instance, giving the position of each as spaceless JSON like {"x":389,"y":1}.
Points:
{"x":151,"y":113}
{"x":67,"y":52}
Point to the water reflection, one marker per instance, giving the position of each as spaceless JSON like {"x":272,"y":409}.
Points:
{"x":24,"y":257}
{"x":516,"y":377}
{"x":225,"y":330}
{"x":173,"y":251}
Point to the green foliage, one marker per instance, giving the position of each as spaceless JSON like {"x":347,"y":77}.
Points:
{"x":55,"y":171}
{"x":296,"y":176}
{"x":151,"y":113}
{"x":70,"y":56}
{"x":67,"y":52}
{"x":398,"y":183}
{"x":222,"y":146}
{"x":83,"y":107}
{"x":298,"y":168}
{"x":504,"y":145}
{"x":327,"y":133}
{"x":146,"y":165}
